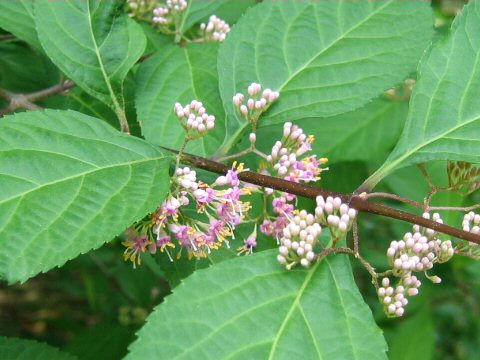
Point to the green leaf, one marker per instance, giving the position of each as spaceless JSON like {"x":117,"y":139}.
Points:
{"x":92,"y":42}
{"x":414,"y":338}
{"x":444,"y":117}
{"x":178,"y":74}
{"x":363,"y":134}
{"x":252,"y":308}
{"x":17,"y":18}
{"x":70,"y":182}
{"x":24,"y":70}
{"x":156,"y":41}
{"x":325,"y":57}
{"x":200,"y":10}
{"x":20,"y":349}
{"x":103,"y":341}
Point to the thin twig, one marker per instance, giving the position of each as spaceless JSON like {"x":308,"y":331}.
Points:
{"x":53,"y":90}
{"x":355,"y":236}
{"x":7,"y":37}
{"x":237,"y":155}
{"x":260,"y":153}
{"x":454,"y":208}
{"x":395,"y":197}
{"x":357,"y":202}
{"x":25,"y":101}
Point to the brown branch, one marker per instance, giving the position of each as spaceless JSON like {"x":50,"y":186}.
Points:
{"x":53,"y":90}
{"x":395,"y":197}
{"x":7,"y":37}
{"x":25,"y":101}
{"x":355,"y":201}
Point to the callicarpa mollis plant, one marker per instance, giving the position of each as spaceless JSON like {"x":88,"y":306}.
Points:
{"x":243,"y":160}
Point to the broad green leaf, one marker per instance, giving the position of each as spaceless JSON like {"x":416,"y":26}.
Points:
{"x":104,"y":341}
{"x":414,"y":338}
{"x":24,"y":70}
{"x":92,"y":42}
{"x":20,"y":349}
{"x":200,"y":10}
{"x":156,"y":41}
{"x":444,"y":116}
{"x":324,"y":57}
{"x":70,"y":182}
{"x":17,"y":18}
{"x":252,"y":308}
{"x":363,"y":134}
{"x":179,"y":74}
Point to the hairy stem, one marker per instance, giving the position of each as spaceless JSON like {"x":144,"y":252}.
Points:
{"x":357,"y":202}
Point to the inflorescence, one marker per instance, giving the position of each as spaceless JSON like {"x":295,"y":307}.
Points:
{"x":163,"y":15}
{"x":215,"y":30}
{"x":418,"y":251}
{"x":194,"y":118}
{"x":167,"y":16}
{"x":221,"y":206}
{"x":258,"y":102}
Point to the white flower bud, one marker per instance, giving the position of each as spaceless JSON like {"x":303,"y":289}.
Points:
{"x":305,"y":263}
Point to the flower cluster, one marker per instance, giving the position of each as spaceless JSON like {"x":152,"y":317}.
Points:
{"x":257,"y":103}
{"x":336,"y":215}
{"x":285,"y":153}
{"x":221,"y":206}
{"x":138,"y":8}
{"x":215,"y":30}
{"x":471,"y":222}
{"x":417,"y":251}
{"x":393,"y":299}
{"x":286,"y":160}
{"x":164,"y":15}
{"x":298,"y":240}
{"x":194,"y":117}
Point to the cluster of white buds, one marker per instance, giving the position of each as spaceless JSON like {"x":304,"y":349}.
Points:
{"x":139,"y":8}
{"x":298,"y":240}
{"x":187,"y":178}
{"x":164,"y":14}
{"x":336,"y":215}
{"x":471,"y":222}
{"x":417,"y":251}
{"x":215,"y":30}
{"x":194,"y":117}
{"x":161,"y":15}
{"x":257,"y":103}
{"x":394,"y":299}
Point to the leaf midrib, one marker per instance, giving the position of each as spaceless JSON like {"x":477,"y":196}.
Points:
{"x":100,"y":61}
{"x":295,"y":303}
{"x":393,"y":164}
